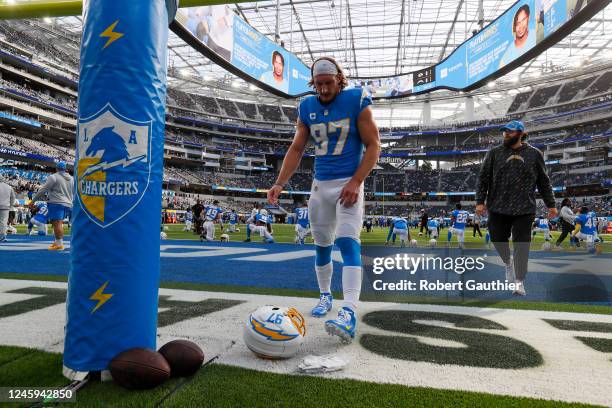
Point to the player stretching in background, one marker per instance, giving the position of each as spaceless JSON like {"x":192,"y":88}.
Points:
{"x":459,"y":219}
{"x":302,"y":224}
{"x":260,"y":226}
{"x":251,"y":220}
{"x":233,"y":221}
{"x":433,"y":226}
{"x":39,"y":220}
{"x":188,"y":220}
{"x":212,"y":214}
{"x":541,"y":224}
{"x":339,"y":122}
{"x":586,"y":230}
{"x":399,"y":226}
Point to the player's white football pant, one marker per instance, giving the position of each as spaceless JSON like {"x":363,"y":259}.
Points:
{"x":41,"y":226}
{"x":232,"y":227}
{"x":459,"y":233}
{"x":328,"y":218}
{"x":402,"y":234}
{"x":589,"y":239}
{"x":187,"y":226}
{"x":209,"y":227}
{"x":301,"y":232}
{"x":545,"y":231}
{"x":433,"y":232}
{"x":261,"y":230}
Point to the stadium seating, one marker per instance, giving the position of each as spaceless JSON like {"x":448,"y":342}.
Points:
{"x":229,"y":107}
{"x":518,"y":100}
{"x":602,"y":84}
{"x":571,"y":88}
{"x":249,"y":109}
{"x":271,"y":113}
{"x":542,"y":96}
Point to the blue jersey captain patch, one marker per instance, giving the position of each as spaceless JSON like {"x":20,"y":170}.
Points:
{"x":113,"y":164}
{"x":334,"y":133}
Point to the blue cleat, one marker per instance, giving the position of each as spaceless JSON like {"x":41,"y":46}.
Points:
{"x":344,"y":326}
{"x":324,"y":305}
{"x":269,"y":241}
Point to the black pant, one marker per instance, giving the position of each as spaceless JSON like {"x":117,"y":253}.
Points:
{"x":500,"y":228}
{"x":566,"y":228}
{"x":477,"y":229}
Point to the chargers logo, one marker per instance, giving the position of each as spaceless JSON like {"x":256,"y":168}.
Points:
{"x":113,"y":164}
{"x":271,"y":334}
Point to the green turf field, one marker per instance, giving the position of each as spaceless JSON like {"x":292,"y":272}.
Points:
{"x":284,"y":233}
{"x":219,"y":385}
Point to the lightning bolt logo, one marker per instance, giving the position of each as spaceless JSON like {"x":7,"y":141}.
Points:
{"x":105,"y":166}
{"x":276,"y":335}
{"x":111,"y":35}
{"x":101,"y":297}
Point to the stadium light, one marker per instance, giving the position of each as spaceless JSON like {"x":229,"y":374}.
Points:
{"x":491,"y":84}
{"x":47,"y":20}
{"x":515,"y":79}
{"x":236,"y":84}
{"x":252,"y":87}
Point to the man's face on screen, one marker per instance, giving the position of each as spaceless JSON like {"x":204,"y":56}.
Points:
{"x":278,"y":66}
{"x":522,"y":25}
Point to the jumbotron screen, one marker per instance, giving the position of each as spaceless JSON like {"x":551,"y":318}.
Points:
{"x":238,"y":46}
{"x":506,"y":42}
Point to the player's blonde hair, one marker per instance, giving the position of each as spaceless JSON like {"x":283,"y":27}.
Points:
{"x":343,"y":81}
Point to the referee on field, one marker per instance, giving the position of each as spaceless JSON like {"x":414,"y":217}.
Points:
{"x":508,"y":179}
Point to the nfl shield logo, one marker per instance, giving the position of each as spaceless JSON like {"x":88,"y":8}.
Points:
{"x":313,"y":116}
{"x":113,"y":164}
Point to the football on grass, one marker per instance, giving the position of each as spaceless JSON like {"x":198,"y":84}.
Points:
{"x":139,"y":368}
{"x":183,"y":356}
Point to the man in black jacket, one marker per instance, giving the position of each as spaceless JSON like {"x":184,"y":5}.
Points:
{"x":508,"y":179}
{"x":197,"y":213}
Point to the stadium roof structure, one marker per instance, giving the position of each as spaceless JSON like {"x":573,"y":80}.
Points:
{"x":371,"y":38}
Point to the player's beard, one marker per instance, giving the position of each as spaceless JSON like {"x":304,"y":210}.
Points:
{"x":511,"y":141}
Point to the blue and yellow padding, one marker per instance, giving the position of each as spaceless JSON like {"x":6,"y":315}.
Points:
{"x":114,"y":277}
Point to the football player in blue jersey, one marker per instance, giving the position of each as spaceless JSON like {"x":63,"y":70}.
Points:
{"x":251,"y":221}
{"x":233,"y":220}
{"x":459,"y":219}
{"x":188,"y":220}
{"x":260,"y":226}
{"x":302,"y":224}
{"x":40,"y":219}
{"x":212,"y":214}
{"x":542,"y":225}
{"x":339,"y":122}
{"x":398,"y":227}
{"x":432,"y":227}
{"x":586,"y":230}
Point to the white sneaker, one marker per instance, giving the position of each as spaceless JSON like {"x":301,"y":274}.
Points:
{"x":510,"y":277}
{"x":520,"y":291}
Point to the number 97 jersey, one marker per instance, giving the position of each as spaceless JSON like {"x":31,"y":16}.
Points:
{"x":333,"y":130}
